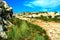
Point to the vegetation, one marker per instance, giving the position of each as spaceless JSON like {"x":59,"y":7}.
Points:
{"x":49,"y":18}
{"x":23,"y":30}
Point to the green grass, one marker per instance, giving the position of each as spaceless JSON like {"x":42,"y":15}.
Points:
{"x":23,"y":30}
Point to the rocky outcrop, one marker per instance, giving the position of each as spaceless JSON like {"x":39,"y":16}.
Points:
{"x":5,"y":14}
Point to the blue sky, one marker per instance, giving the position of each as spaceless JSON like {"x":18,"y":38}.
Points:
{"x":34,"y":5}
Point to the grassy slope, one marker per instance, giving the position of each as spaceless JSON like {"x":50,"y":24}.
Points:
{"x":23,"y":30}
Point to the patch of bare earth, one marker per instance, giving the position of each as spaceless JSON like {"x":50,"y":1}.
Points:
{"x":52,"y":28}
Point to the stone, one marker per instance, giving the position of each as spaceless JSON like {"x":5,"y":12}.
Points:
{"x":3,"y":35}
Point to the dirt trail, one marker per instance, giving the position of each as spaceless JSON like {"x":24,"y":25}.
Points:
{"x":52,"y":28}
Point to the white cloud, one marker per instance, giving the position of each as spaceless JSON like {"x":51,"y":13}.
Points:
{"x":30,"y":5}
{"x":44,"y":3}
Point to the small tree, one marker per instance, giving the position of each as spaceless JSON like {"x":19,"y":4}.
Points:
{"x":50,"y":16}
{"x":55,"y":12}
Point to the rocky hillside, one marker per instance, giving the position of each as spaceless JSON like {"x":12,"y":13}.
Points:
{"x":23,"y":28}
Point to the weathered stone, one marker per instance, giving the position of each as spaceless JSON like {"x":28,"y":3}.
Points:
{"x":1,"y":29}
{"x":3,"y":35}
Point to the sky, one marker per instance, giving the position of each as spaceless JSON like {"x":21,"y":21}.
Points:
{"x":34,"y":5}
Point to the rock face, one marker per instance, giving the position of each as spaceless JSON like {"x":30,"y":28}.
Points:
{"x":1,"y":29}
{"x":5,"y":14}
{"x":1,"y":0}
